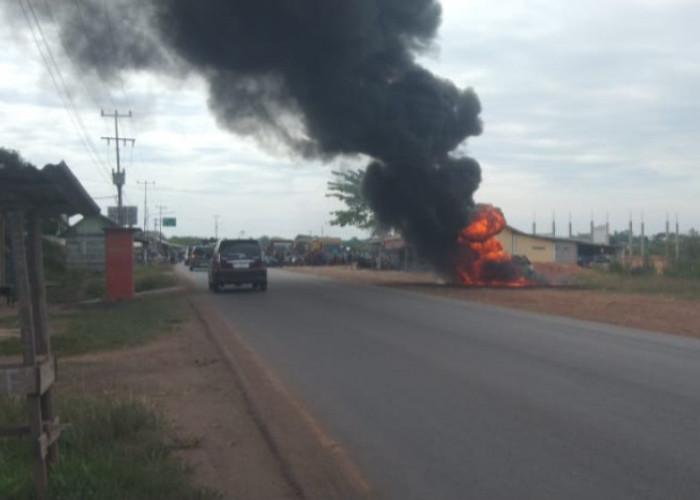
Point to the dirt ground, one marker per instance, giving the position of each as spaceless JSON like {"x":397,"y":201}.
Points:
{"x":669,"y":315}
{"x":184,"y":376}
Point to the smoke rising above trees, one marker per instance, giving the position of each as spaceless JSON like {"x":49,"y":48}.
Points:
{"x":323,"y":77}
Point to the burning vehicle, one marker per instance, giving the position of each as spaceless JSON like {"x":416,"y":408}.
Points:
{"x":481,"y":259}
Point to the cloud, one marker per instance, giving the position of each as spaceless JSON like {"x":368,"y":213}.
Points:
{"x":585,"y":106}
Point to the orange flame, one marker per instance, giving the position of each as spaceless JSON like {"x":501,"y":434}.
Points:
{"x":480,"y":258}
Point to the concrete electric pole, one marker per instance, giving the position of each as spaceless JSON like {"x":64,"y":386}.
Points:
{"x":145,"y":216}
{"x":160,"y":222}
{"x":118,"y":176}
{"x":145,"y":201}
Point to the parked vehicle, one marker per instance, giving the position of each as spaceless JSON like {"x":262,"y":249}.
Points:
{"x":270,"y":261}
{"x":237,"y":262}
{"x":601,"y":259}
{"x":201,"y":255}
{"x":279,"y":252}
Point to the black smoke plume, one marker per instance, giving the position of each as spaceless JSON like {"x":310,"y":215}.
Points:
{"x":325,"y":77}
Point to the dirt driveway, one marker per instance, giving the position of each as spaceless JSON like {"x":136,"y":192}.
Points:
{"x":669,"y":315}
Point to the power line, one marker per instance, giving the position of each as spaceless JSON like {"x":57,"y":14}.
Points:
{"x":110,"y":31}
{"x":196,"y":192}
{"x":63,"y":93}
{"x":88,"y":89}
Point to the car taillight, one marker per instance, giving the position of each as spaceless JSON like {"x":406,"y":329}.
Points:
{"x":256,"y":264}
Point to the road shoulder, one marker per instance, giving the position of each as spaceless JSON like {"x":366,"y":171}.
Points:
{"x":312,"y":461}
{"x":185,"y":377}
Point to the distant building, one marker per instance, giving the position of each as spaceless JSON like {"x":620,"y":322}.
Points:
{"x":85,"y":242}
{"x":598,"y":234}
{"x":546,"y":248}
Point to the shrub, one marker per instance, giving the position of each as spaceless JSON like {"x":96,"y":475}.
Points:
{"x":617,"y":266}
{"x":113,"y":448}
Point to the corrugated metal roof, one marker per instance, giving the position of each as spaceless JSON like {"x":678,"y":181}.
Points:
{"x":52,"y":190}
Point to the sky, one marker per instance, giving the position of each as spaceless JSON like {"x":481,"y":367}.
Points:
{"x":590,"y":111}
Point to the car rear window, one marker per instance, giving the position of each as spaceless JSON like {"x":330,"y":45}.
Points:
{"x":203,"y":251}
{"x":240,"y":250}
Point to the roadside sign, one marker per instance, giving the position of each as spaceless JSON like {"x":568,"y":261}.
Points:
{"x":129,"y":215}
{"x":169,"y":221}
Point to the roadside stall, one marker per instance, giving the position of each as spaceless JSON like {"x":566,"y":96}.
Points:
{"x":27,"y":195}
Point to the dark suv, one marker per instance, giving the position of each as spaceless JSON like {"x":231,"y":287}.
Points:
{"x":199,"y":258}
{"x":237,"y":262}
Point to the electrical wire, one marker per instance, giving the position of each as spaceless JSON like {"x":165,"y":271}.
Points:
{"x":76,"y":65}
{"x":110,"y":31}
{"x":120,"y":80}
{"x":63,"y":93}
{"x":113,"y":41}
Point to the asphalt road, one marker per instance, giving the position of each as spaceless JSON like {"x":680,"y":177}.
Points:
{"x":441,"y":399}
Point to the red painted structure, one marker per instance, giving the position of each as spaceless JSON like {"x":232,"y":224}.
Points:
{"x":119,"y":263}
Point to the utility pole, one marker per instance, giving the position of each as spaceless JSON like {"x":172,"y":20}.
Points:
{"x":145,"y":217}
{"x":630,"y":240}
{"x":160,"y":222}
{"x":554,"y":224}
{"x":642,"y":247}
{"x":145,"y":202}
{"x":678,"y":241}
{"x":119,"y":176}
{"x":668,"y":240}
{"x":216,"y":227}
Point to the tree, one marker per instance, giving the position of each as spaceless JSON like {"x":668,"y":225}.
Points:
{"x":264,"y":241}
{"x":186,"y":240}
{"x":348,"y":188}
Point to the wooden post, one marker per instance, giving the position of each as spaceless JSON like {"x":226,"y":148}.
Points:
{"x":27,"y":317}
{"x":16,"y":222}
{"x":35,"y":263}
{"x":19,"y":253}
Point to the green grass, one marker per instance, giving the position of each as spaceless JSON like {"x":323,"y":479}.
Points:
{"x":10,"y":321}
{"x":75,"y":285}
{"x":154,"y":276}
{"x":110,"y":325}
{"x":112,"y":449}
{"x":652,"y":284}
